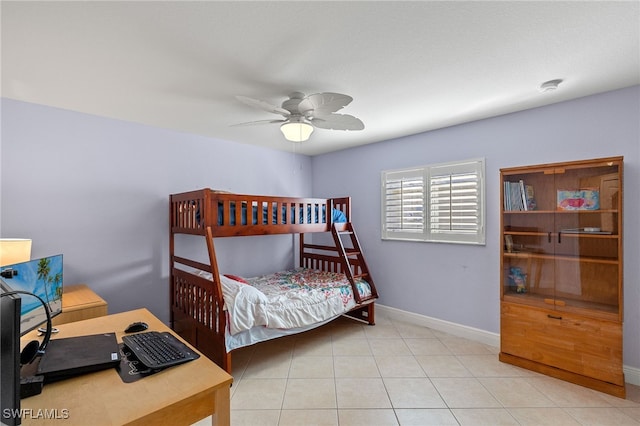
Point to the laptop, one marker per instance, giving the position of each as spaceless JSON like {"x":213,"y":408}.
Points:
{"x":73,"y":356}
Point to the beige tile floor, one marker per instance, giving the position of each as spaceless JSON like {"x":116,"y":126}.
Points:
{"x":394,"y":373}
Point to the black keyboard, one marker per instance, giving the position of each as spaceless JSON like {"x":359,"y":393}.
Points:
{"x":158,"y":350}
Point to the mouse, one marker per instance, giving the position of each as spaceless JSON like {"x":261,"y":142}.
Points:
{"x":135,"y":327}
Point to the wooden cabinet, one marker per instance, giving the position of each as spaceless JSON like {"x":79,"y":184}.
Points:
{"x":79,"y":302}
{"x":561,"y":271}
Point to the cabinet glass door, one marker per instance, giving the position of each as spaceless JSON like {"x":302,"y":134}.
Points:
{"x":528,"y":256}
{"x":587,"y":239}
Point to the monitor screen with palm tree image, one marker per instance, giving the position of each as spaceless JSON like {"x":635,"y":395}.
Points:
{"x":42,"y":277}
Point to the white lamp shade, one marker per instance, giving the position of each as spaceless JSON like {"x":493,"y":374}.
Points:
{"x":14,"y":250}
{"x":296,"y":131}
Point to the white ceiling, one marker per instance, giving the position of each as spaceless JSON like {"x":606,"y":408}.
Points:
{"x":410,"y":66}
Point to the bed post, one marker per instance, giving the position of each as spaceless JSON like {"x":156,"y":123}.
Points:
{"x":213,"y":263}
{"x":171,"y":263}
{"x":225,"y":357}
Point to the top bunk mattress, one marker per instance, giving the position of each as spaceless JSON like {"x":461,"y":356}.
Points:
{"x":288,"y":299}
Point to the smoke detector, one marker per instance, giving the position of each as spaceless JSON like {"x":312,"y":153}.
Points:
{"x":550,"y":86}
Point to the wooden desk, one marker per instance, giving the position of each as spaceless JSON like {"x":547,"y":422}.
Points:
{"x":180,"y":395}
{"x":79,"y":302}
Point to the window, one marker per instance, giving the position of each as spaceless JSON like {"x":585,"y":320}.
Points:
{"x":440,"y":202}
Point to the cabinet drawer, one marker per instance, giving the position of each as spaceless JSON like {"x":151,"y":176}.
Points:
{"x":585,"y":346}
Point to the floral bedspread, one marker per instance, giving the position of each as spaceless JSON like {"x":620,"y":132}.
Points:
{"x":288,"y":299}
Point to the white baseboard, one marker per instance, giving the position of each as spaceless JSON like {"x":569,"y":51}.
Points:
{"x":631,"y":374}
{"x":475,"y":334}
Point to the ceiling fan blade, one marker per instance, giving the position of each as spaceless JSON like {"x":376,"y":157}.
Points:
{"x":252,"y":123}
{"x":338,"y":122}
{"x":323,"y":103}
{"x":265,"y":106}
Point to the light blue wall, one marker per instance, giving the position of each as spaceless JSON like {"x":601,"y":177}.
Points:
{"x":461,"y":283}
{"x":97,"y":190}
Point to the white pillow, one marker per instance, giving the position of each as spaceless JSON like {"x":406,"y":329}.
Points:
{"x":235,"y":288}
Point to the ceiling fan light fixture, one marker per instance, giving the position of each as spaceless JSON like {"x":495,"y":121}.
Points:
{"x":296,"y":131}
{"x":302,"y":114}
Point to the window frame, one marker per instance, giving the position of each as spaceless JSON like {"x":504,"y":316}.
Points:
{"x":468,"y":179}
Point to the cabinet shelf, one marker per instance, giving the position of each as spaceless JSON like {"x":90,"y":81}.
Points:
{"x":529,"y":255}
{"x":575,"y":212}
{"x":564,"y":234}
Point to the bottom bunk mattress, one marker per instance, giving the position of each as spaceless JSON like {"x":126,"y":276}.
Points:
{"x":285,"y":302}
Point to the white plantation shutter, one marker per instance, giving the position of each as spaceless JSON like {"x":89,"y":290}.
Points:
{"x":404,"y":204}
{"x":443,"y":202}
{"x":455,"y":202}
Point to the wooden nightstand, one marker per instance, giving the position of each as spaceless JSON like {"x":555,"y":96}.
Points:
{"x":79,"y":302}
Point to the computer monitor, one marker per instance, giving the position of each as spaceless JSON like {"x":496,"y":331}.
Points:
{"x":42,"y":277}
{"x":10,"y":360}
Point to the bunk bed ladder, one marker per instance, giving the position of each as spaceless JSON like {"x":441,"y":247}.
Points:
{"x":353,"y":261}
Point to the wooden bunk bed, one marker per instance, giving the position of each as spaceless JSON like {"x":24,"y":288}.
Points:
{"x":197,"y":304}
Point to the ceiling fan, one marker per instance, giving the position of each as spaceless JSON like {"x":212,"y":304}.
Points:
{"x":303,"y":113}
